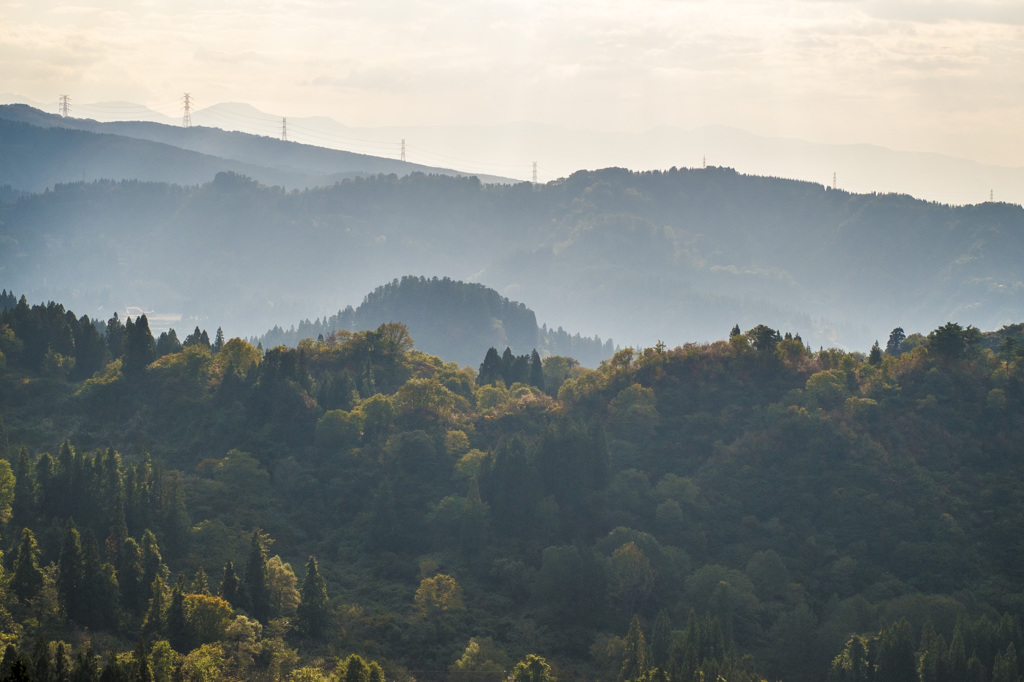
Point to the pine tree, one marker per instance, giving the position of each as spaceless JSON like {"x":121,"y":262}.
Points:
{"x":312,"y":610}
{"x":218,"y":342}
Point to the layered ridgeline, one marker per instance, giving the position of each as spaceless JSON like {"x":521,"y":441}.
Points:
{"x":38,"y":150}
{"x":453,"y":320}
{"x":741,"y":510}
{"x":681,"y":254}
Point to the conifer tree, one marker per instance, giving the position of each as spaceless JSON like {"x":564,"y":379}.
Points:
{"x":536,"y":370}
{"x":69,"y":571}
{"x":230,"y":586}
{"x":256,"y":578}
{"x":28,"y":578}
{"x":312,"y":610}
{"x":637,"y":657}
{"x":177,"y":626}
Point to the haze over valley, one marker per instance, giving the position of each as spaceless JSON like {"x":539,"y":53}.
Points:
{"x":478,"y":341}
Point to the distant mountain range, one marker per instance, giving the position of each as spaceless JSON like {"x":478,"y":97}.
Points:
{"x":674,"y":256}
{"x":508,"y":150}
{"x":40,"y":150}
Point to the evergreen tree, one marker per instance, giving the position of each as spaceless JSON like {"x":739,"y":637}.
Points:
{"x":230,"y":587}
{"x":490,"y":369}
{"x":115,"y":336}
{"x":637,"y":657}
{"x":875,"y":356}
{"x":661,"y":640}
{"x":256,"y":578}
{"x":155,"y":617}
{"x":69,"y":572}
{"x":508,"y":361}
{"x":536,"y":370}
{"x":218,"y":342}
{"x":312,"y":610}
{"x":894,"y":346}
{"x":177,"y":627}
{"x":139,"y":348}
{"x":168,"y":343}
{"x":28,"y":578}
{"x":896,"y":659}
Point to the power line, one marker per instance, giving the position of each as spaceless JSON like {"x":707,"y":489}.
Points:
{"x":186,"y":120}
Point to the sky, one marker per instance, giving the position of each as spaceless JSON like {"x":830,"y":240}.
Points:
{"x":942,"y":76}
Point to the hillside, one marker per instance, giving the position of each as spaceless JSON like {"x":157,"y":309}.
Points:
{"x":682,"y":254}
{"x":746,"y":508}
{"x":452,"y":320}
{"x":47,"y":153}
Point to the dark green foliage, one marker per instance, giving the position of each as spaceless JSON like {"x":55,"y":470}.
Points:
{"x":138,"y":347}
{"x":490,"y":368}
{"x":255,"y":578}
{"x":167,"y":343}
{"x":894,"y":346}
{"x":27,"y":578}
{"x":312,"y":611}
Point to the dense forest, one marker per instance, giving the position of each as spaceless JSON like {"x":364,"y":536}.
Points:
{"x":354,"y":508}
{"x":452,"y":320}
{"x":676,"y":254}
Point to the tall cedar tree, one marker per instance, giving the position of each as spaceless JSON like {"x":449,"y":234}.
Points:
{"x":256,"y":579}
{"x":312,"y":610}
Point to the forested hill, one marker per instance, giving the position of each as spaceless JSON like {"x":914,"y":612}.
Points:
{"x":746,"y":508}
{"x":680,"y":254}
{"x":453,"y":320}
{"x":38,"y":150}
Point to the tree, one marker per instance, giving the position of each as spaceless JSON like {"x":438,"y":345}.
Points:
{"x":438,"y":599}
{"x":533,"y":668}
{"x":894,"y":346}
{"x":637,"y":658}
{"x":764,"y":338}
{"x":875,"y":356}
{"x":256,"y":578}
{"x":28,"y":578}
{"x":312,"y":610}
{"x":230,"y":586}
{"x":167,"y":343}
{"x":218,"y":341}
{"x":490,"y":369}
{"x":139,"y":348}
{"x":536,"y":370}
{"x":948,"y":341}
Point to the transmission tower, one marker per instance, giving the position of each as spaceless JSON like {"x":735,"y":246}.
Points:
{"x":65,"y":106}
{"x":833,"y":179}
{"x":284,"y":129}
{"x":704,"y":161}
{"x":186,"y":119}
{"x":535,"y":172}
{"x":991,"y":195}
{"x":403,"y":149}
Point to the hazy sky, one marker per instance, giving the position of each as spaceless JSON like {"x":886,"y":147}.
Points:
{"x":930,"y":75}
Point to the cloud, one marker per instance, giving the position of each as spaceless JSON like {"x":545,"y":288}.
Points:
{"x":934,"y":11}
